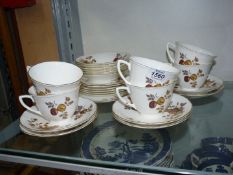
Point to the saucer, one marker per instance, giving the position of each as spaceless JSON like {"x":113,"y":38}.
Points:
{"x":113,"y":142}
{"x":58,"y":133}
{"x":145,"y":126}
{"x":212,"y":86}
{"x":100,"y":98}
{"x":103,"y":58}
{"x":208,"y":159}
{"x":180,"y":108}
{"x":35,"y":123}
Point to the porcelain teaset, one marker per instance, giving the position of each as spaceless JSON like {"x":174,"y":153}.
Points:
{"x":63,"y":92}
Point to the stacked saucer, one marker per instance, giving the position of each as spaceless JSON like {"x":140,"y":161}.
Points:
{"x":112,"y":141}
{"x":178,"y":111}
{"x":100,"y":76}
{"x":212,"y":86}
{"x":35,"y":125}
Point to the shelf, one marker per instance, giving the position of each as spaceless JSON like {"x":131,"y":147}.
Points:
{"x":210,"y":117}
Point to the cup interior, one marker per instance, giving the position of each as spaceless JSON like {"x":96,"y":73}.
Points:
{"x":55,"y":73}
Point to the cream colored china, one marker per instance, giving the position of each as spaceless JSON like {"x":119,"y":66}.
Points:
{"x":212,"y":83}
{"x":54,"y":77}
{"x":102,"y":59}
{"x":35,"y":123}
{"x":195,"y":95}
{"x":100,"y":68}
{"x":102,"y":86}
{"x":152,"y":126}
{"x":103,"y":98}
{"x":192,"y":77}
{"x":100,"y":79}
{"x":147,"y":101}
{"x":93,"y":92}
{"x":147,"y":72}
{"x":59,"y":107}
{"x":58,"y":133}
{"x":189,"y":54}
{"x":178,"y":111}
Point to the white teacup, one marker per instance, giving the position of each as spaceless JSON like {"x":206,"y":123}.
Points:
{"x":57,"y":108}
{"x":187,"y":54}
{"x":192,"y":77}
{"x":148,"y":100}
{"x":54,"y":77}
{"x":146,"y":72}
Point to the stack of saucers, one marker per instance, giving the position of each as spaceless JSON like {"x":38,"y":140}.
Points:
{"x":100,"y":76}
{"x":35,"y":125}
{"x":112,"y":141}
{"x":214,"y":155}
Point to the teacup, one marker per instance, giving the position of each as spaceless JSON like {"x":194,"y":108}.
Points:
{"x":54,"y":77}
{"x":193,"y":77}
{"x":53,"y":108}
{"x":146,"y":72}
{"x":187,"y":54}
{"x":147,"y":100}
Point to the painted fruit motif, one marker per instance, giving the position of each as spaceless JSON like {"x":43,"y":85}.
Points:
{"x":45,"y":92}
{"x":193,"y":77}
{"x":61,"y":107}
{"x":188,"y":62}
{"x":181,"y":62}
{"x":185,"y":61}
{"x":152,"y":104}
{"x":161,"y":100}
{"x":53,"y":111}
{"x":186,"y":78}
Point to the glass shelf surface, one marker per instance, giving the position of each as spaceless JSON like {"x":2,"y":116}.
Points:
{"x":211,"y":117}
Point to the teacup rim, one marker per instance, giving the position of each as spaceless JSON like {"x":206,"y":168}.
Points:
{"x":176,"y":71}
{"x":61,"y":85}
{"x":55,"y":85}
{"x":200,"y":50}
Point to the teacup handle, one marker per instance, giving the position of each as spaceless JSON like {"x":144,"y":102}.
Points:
{"x":119,"y":62}
{"x":194,"y":159}
{"x":121,"y":98}
{"x":172,"y":47}
{"x":28,"y":68}
{"x":21,"y":97}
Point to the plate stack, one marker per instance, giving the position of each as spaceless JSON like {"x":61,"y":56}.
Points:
{"x":178,"y":111}
{"x":112,"y":141}
{"x":100,"y":76}
{"x":215,"y":155}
